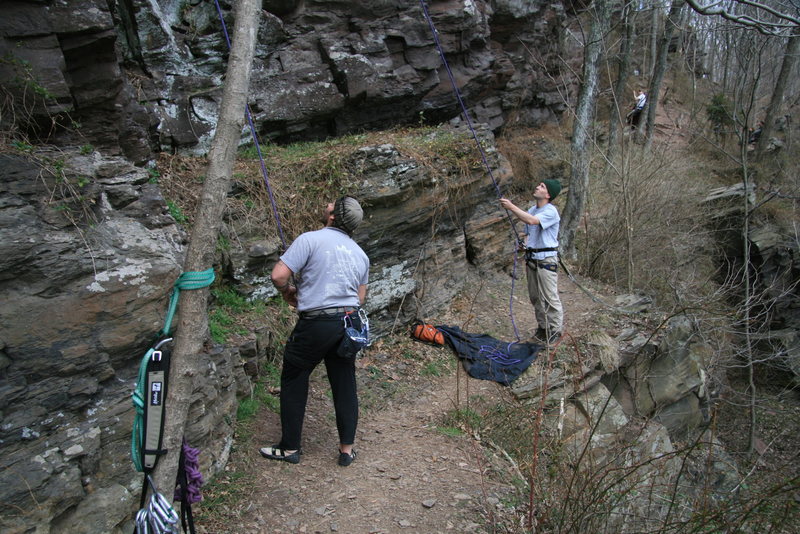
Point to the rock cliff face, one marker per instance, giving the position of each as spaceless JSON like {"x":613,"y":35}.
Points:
{"x":90,"y":252}
{"x":89,"y":256}
{"x":145,"y":75}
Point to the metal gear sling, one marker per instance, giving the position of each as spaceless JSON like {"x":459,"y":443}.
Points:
{"x":149,"y":397}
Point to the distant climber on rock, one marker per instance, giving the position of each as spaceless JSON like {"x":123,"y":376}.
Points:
{"x":634,"y":116}
{"x":755,"y":135}
{"x":542,"y":223}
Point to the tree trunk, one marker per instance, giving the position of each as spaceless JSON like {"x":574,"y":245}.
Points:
{"x":660,"y":69}
{"x":751,"y":384}
{"x":192,"y":324}
{"x":726,"y":63}
{"x":775,"y":103}
{"x":655,"y":16}
{"x":617,"y":114}
{"x":580,"y":146}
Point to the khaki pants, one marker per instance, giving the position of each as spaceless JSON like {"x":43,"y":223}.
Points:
{"x":543,"y":292}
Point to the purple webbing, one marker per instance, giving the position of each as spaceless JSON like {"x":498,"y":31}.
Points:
{"x":480,"y":149}
{"x":194,"y":478}
{"x":255,"y":140}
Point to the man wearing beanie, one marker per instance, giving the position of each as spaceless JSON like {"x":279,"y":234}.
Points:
{"x":331,"y":272}
{"x":542,"y":223}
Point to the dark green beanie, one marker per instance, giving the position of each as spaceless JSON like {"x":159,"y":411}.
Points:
{"x":553,"y":187}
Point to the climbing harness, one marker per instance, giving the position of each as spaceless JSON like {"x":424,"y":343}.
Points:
{"x":149,"y":398}
{"x":537,"y":264}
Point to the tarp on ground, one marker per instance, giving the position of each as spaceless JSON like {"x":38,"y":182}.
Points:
{"x":487,"y":358}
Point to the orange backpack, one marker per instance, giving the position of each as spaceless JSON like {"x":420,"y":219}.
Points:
{"x":427,"y":333}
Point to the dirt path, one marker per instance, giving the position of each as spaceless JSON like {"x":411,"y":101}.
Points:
{"x":409,"y":475}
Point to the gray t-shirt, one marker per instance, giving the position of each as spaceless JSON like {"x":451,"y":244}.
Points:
{"x":328,"y":266}
{"x":544,"y":234}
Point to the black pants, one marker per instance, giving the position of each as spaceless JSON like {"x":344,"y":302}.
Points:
{"x":312,"y":341}
{"x":633,"y":117}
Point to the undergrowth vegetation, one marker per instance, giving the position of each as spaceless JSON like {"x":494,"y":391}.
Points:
{"x":303,"y":173}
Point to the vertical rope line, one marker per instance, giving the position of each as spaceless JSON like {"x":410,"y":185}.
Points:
{"x":511,"y":297}
{"x":255,"y":141}
{"x":458,"y":95}
{"x":483,"y":157}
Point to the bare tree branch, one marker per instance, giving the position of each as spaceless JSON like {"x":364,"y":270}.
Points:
{"x":767,"y":27}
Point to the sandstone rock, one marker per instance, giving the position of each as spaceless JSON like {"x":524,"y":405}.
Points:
{"x":671,"y":374}
{"x":604,"y":350}
{"x":84,"y":289}
{"x":143,"y":73}
{"x":404,"y":201}
{"x":727,"y":201}
{"x":100,"y":511}
{"x":633,"y":303}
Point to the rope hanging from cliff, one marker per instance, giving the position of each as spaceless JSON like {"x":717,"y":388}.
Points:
{"x":255,"y":141}
{"x":483,"y":157}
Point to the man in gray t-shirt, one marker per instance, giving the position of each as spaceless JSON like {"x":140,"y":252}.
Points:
{"x":331,"y":273}
{"x":542,"y":223}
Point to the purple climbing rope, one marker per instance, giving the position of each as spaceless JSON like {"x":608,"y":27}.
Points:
{"x":255,"y":140}
{"x":497,"y":355}
{"x":483,"y":158}
{"x":194,"y":478}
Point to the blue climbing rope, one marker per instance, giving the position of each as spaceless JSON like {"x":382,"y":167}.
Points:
{"x":255,"y":141}
{"x":483,"y":158}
